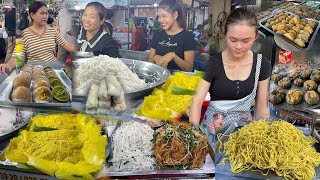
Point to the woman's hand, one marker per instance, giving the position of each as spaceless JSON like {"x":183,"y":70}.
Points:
{"x":5,"y":68}
{"x":195,"y":110}
{"x":164,"y":61}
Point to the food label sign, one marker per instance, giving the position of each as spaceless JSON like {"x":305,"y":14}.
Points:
{"x":20,"y":175}
{"x":285,"y":57}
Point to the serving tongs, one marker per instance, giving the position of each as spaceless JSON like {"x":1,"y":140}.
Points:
{"x":109,"y":130}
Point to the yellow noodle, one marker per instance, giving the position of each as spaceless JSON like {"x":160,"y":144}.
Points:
{"x":277,"y":146}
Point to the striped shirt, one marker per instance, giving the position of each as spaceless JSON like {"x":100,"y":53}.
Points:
{"x":41,"y":49}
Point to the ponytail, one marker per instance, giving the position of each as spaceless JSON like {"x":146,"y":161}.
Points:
{"x":105,"y":28}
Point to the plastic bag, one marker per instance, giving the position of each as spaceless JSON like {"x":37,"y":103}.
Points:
{"x":73,"y":148}
{"x":164,"y":106}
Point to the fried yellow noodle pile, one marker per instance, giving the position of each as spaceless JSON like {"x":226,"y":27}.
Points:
{"x":278,"y":146}
{"x":64,"y":145}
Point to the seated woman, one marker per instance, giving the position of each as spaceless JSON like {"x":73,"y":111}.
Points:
{"x":39,"y":40}
{"x":172,"y":47}
{"x":94,"y":36}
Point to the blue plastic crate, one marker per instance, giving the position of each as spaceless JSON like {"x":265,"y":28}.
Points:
{"x":198,"y":65}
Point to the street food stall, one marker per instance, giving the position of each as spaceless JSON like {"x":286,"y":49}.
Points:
{"x":102,"y":119}
{"x":126,"y":118}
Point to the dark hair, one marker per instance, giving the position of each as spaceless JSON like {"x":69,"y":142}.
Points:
{"x":172,"y":6}
{"x":109,"y":14}
{"x":200,"y":26}
{"x":100,"y":8}
{"x":35,"y":6}
{"x":241,"y":15}
{"x":101,"y":12}
{"x":50,"y":20}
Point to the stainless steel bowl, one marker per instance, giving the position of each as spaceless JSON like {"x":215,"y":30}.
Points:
{"x":80,"y":54}
{"x":153,"y":74}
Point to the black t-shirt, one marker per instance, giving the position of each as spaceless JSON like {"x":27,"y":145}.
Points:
{"x":222,"y":88}
{"x":179,"y":43}
{"x":103,"y":46}
{"x":10,"y":22}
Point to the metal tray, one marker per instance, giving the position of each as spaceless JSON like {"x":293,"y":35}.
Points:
{"x":315,"y":2}
{"x":83,"y":54}
{"x":3,"y":76}
{"x":301,"y":106}
{"x":208,"y":169}
{"x":309,"y":44}
{"x":6,"y":94}
{"x":64,"y":79}
{"x":223,"y":172}
{"x":20,"y":123}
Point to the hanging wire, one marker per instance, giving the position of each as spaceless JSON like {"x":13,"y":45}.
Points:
{"x":218,"y":27}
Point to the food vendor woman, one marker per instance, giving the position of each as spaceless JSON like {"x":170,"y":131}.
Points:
{"x":172,"y":47}
{"x":235,"y":78}
{"x":39,"y":40}
{"x":94,"y":36}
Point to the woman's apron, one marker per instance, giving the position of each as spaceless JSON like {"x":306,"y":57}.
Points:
{"x":221,"y":114}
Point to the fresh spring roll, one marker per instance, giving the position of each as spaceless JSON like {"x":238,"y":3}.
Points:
{"x":112,"y":112}
{"x":103,"y":91}
{"x":105,"y":104}
{"x":119,"y":99}
{"x":103,"y":111}
{"x":92,"y":101}
{"x":120,"y":106}
{"x":113,"y":86}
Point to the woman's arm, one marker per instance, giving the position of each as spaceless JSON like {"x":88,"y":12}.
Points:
{"x":153,"y":58}
{"x":262,"y":104}
{"x":195,"y":110}
{"x":184,"y":65}
{"x":187,"y":63}
{"x":9,"y":65}
{"x":70,"y":47}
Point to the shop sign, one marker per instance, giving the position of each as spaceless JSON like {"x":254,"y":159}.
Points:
{"x":285,"y":57}
{"x":21,"y":175}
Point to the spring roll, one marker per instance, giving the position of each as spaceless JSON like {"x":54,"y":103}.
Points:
{"x":113,"y":86}
{"x":120,"y":106}
{"x":119,"y":99}
{"x":105,"y":104}
{"x":103,"y":91}
{"x":112,"y":112}
{"x":92,"y":101}
{"x":103,"y":111}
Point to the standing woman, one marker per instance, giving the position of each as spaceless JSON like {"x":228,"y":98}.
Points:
{"x":39,"y":40}
{"x":94,"y":36}
{"x":235,"y":78}
{"x":172,"y":47}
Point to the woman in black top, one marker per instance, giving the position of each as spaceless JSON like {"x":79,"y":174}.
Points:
{"x":235,"y":78}
{"x":172,"y":47}
{"x":94,"y":36}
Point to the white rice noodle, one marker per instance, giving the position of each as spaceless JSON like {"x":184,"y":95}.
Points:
{"x":132,"y":148}
{"x":98,"y":68}
{"x":7,"y":120}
